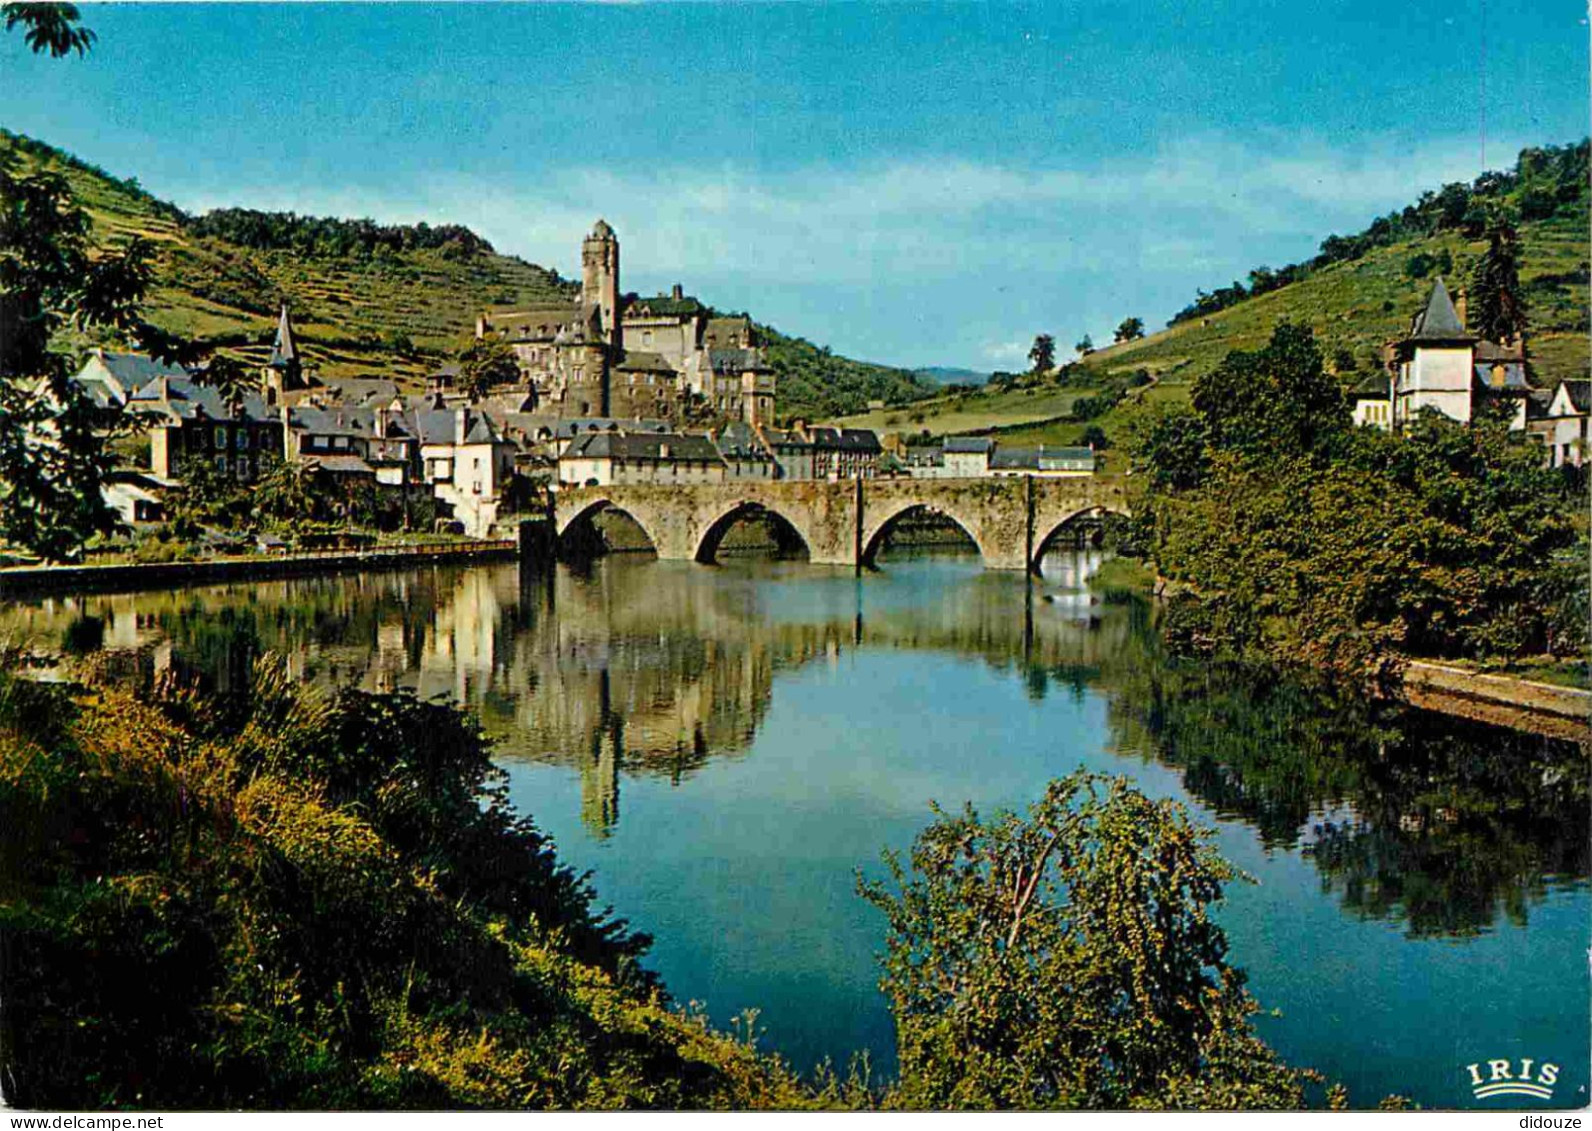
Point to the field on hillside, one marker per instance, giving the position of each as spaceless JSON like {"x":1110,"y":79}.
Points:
{"x":1355,"y":306}
{"x":970,"y":412}
{"x":383,"y":315}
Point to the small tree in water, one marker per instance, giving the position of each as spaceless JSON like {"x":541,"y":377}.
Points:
{"x":1068,"y":960}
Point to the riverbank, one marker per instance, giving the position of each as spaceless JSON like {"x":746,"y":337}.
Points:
{"x":1521,"y":704}
{"x":34,"y":581}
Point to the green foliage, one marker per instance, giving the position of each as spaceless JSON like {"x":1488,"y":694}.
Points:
{"x":1084,"y":346}
{"x":1497,"y":306}
{"x":813,"y":383}
{"x":1043,"y":354}
{"x":51,"y":28}
{"x":1309,"y":540}
{"x":484,"y":363}
{"x":1067,"y":959}
{"x":1543,"y":182}
{"x":280,"y":898}
{"x":1130,"y":330}
{"x":327,"y":236}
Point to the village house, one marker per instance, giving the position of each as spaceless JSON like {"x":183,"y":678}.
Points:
{"x":1440,"y":365}
{"x":745,"y":454}
{"x":1043,"y":462}
{"x":189,"y":421}
{"x":844,"y":453}
{"x":1565,"y":426}
{"x":110,"y":379}
{"x":606,"y":459}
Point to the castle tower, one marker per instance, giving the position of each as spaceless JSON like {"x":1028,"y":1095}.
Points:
{"x":599,"y":259}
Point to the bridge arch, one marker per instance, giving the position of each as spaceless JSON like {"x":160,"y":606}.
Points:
{"x":788,"y":533}
{"x":1047,"y":528}
{"x":573,"y":536}
{"x":873,"y":541}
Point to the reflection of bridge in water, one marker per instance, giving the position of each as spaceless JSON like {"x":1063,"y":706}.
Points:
{"x":1011,"y":520}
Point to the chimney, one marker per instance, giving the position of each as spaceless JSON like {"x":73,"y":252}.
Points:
{"x":1462,"y":308}
{"x":677,"y":292}
{"x":461,"y":424}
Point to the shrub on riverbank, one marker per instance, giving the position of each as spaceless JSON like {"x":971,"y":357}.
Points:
{"x":291,"y":899}
{"x":1306,"y":539}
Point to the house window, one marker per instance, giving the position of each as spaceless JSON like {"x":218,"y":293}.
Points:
{"x":243,"y":467}
{"x":221,"y":464}
{"x":241,"y":438}
{"x":221,"y":439}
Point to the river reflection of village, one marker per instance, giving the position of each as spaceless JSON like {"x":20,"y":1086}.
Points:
{"x":637,"y":667}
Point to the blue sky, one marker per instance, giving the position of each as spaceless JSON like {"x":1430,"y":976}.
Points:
{"x":918,"y":184}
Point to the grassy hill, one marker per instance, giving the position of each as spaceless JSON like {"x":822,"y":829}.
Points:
{"x":1354,"y":304}
{"x":367,"y":302}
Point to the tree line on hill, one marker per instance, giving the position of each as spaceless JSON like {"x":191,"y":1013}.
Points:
{"x":1544,"y":181}
{"x":333,"y":237}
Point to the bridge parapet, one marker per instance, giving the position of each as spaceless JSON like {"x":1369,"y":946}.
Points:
{"x":845,"y":522}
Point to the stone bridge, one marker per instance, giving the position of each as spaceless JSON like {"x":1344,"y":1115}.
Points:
{"x":1010,"y":519}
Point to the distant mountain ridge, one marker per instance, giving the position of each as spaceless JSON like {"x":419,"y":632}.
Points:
{"x":951,"y":375}
{"x":369,"y":299}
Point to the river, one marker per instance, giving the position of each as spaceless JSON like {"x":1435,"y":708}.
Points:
{"x":724,"y":748}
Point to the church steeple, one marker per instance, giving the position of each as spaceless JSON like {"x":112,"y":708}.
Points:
{"x":285,"y":371}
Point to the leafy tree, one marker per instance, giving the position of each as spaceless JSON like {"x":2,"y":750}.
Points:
{"x":1095,"y":436}
{"x":1344,"y":361}
{"x":1043,"y":353}
{"x":50,"y":27}
{"x":208,"y":496}
{"x":1084,"y":345}
{"x":1497,"y":305}
{"x":1130,"y":330}
{"x":287,"y":494}
{"x":1275,"y":399}
{"x":1067,"y":959}
{"x":485,"y":363}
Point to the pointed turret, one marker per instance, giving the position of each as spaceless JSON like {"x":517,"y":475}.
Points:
{"x":284,"y":351}
{"x":285,"y":371}
{"x":1439,"y":322}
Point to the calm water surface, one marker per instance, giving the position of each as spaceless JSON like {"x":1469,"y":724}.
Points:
{"x":725,"y":747}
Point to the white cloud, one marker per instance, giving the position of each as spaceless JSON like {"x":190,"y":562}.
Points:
{"x":1196,"y":209}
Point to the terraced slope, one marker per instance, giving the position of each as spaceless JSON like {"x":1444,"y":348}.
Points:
{"x":392,"y":314}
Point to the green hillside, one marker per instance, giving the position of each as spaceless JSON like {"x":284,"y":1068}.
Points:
{"x":368,"y":301}
{"x":1360,"y":293}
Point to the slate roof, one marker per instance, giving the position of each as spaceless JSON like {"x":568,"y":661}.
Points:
{"x":968,"y":445}
{"x":342,"y":465}
{"x":649,"y":446}
{"x":333,"y":421}
{"x":741,"y":441}
{"x":737,"y":361}
{"x":1579,"y":392}
{"x":785,"y":438}
{"x":660,"y":306}
{"x":181,"y":398}
{"x":639,"y":361}
{"x":135,"y":370}
{"x":1514,"y":378}
{"x":543,"y":322}
{"x":728,"y":333}
{"x":1040,"y":458}
{"x":1372,"y":387}
{"x":361,"y":390}
{"x":1439,"y":322}
{"x":846,"y":439}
